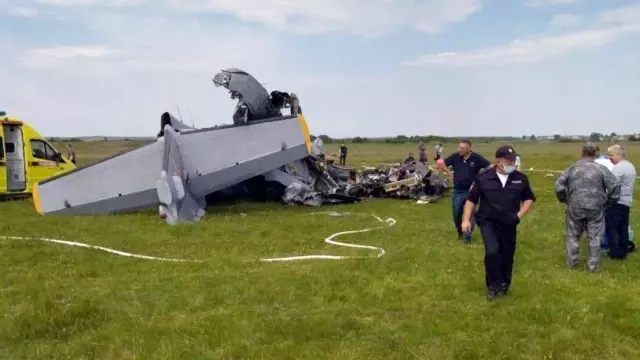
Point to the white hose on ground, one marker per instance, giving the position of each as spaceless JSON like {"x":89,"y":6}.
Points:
{"x":389,"y":222}
{"x":96,"y":247}
{"x":329,"y":240}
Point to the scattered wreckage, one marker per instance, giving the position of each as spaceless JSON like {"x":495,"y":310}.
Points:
{"x":262,"y":154}
{"x":409,"y":180}
{"x":321,"y":182}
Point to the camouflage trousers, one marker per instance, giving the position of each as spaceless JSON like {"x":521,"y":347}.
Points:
{"x":579,"y":221}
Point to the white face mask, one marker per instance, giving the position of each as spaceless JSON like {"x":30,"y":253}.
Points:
{"x":508,"y":169}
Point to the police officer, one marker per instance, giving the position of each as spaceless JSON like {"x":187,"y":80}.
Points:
{"x":505,"y":196}
{"x":587,"y":187}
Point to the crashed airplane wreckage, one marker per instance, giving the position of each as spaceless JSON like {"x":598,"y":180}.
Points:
{"x":263,"y":152}
{"x":185,"y":164}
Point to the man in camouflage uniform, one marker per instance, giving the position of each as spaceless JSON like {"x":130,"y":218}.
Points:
{"x":587,"y":188}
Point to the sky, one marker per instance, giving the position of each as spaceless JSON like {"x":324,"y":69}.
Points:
{"x":368,"y":68}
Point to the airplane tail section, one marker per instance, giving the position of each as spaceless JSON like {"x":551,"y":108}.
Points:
{"x":177,"y":171}
{"x":177,"y":203}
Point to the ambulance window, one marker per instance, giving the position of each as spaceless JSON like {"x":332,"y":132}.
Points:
{"x":42,"y":150}
{"x":1,"y":148}
{"x":11,"y":147}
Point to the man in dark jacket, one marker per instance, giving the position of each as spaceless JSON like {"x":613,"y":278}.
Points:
{"x":466,"y":165}
{"x":505,"y":196}
{"x":343,"y":154}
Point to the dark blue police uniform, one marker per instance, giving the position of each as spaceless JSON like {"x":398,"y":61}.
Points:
{"x":464,"y":173}
{"x":498,"y":219}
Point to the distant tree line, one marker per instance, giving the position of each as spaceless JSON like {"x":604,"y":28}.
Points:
{"x":611,"y":137}
{"x":60,"y":139}
{"x":97,"y":138}
{"x":403,"y":139}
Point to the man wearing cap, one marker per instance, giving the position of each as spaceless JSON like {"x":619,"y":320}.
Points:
{"x":587,"y":188}
{"x":505,"y":196}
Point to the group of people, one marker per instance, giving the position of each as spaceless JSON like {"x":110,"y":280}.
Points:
{"x":495,"y":196}
{"x":422,"y":150}
{"x":598,"y":201}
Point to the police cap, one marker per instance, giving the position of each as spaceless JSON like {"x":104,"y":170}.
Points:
{"x":506,"y":152}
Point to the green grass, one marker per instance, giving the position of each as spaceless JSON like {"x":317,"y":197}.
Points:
{"x":424,"y":299}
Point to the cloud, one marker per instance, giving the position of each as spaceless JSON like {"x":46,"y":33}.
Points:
{"x":25,"y":12}
{"x":106,"y":3}
{"x":138,"y":43}
{"x":112,"y":69}
{"x":526,"y":51}
{"x":565,"y":20}
{"x":360,"y":17}
{"x":136,"y":67}
{"x":612,"y":25}
{"x":58,"y":57}
{"x":624,"y":16}
{"x":538,"y":3}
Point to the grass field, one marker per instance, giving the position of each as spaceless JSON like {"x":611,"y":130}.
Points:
{"x":425,"y":299}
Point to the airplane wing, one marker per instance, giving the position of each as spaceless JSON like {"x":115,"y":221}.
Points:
{"x":213,"y":159}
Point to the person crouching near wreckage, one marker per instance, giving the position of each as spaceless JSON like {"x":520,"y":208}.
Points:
{"x":587,"y":188}
{"x":466,"y":165}
{"x":505,"y":196}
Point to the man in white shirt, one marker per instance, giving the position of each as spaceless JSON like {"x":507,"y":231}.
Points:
{"x":604,"y":160}
{"x":439,"y":151}
{"x":617,"y":215}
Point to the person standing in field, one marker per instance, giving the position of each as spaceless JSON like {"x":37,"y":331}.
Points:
{"x":505,"y":196}
{"x":343,"y":154}
{"x":71,"y":154}
{"x":466,"y":165}
{"x":604,"y":160}
{"x":587,"y":188}
{"x":617,"y":215}
{"x":439,"y":151}
{"x":423,"y":152}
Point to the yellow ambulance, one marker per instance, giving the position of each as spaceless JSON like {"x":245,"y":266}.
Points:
{"x":26,"y":157}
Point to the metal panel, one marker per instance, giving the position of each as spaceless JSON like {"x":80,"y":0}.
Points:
{"x":218,"y":180}
{"x":129,"y":173}
{"x":214,"y":158}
